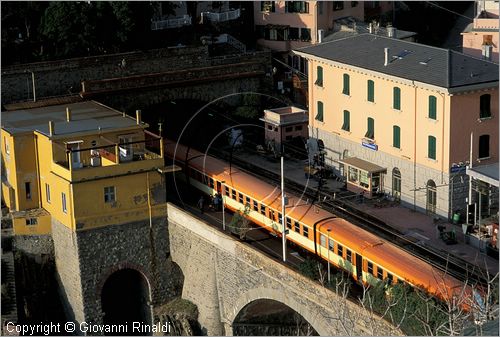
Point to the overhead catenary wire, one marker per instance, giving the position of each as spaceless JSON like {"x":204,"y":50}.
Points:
{"x":449,"y":10}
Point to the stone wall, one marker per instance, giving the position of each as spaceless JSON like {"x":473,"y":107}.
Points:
{"x":34,"y":244}
{"x":223,"y":275}
{"x":65,"y":76}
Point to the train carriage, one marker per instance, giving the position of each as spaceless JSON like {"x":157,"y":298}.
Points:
{"x":367,"y":257}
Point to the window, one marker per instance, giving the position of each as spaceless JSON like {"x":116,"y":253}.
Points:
{"x":348,"y":255}
{"x":485,"y":106}
{"x":346,"y":89}
{"x":396,"y":136}
{"x":297,"y":227}
{"x":280,"y":218}
{"x":319,"y":76}
{"x":6,"y":145}
{"x":31,"y":221}
{"x":380,"y":273}
{"x":370,"y":132}
{"x":226,"y":190}
{"x":298,"y":128}
{"x":322,"y":240}
{"x":288,"y":223}
{"x":396,"y":183}
{"x":484,"y":146}
{"x":319,"y":113}
{"x":346,"y":126}
{"x":63,"y":199}
{"x":330,"y":245}
{"x":27,"y":187}
{"x":240,"y":198}
{"x":431,"y":147}
{"x":320,"y":7}
{"x":396,"y":98}
{"x":305,"y":231}
{"x":296,"y":7}
{"x":431,"y":197}
{"x":340,"y":250}
{"x":289,"y":129}
{"x":338,"y":5}
{"x":270,"y":127}
{"x":305,"y":35}
{"x":47,"y":192}
{"x":293,"y":34}
{"x":370,"y":268}
{"x":390,"y":278}
{"x":255,"y":205}
{"x":233,"y":194}
{"x":354,"y":3}
{"x":371,"y":91}
{"x":262,"y":209}
{"x":267,"y":6}
{"x":271,"y":214}
{"x":432,"y":107}
{"x":109,"y":194}
{"x":211,"y":183}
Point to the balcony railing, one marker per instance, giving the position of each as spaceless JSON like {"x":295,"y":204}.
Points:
{"x":184,"y":20}
{"x":221,"y":17}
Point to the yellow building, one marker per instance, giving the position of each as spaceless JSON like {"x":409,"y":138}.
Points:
{"x":83,"y":165}
{"x":396,"y":117}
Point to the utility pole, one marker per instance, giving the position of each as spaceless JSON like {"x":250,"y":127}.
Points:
{"x":470,"y":179}
{"x":283,"y":217}
{"x":328,"y":247}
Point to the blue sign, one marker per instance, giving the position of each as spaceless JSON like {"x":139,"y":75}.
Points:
{"x":457,"y":169}
{"x":369,"y":145}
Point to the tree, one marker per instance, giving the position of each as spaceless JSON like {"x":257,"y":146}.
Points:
{"x":240,"y":224}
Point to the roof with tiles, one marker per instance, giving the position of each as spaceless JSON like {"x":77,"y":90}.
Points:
{"x":408,"y":60}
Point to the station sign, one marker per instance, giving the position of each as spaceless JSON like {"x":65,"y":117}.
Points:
{"x":369,"y":144}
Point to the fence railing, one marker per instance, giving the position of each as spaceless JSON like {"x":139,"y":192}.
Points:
{"x":221,"y":17}
{"x":184,"y":20}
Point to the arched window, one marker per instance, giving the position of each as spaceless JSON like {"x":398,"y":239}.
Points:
{"x":371,"y":91}
{"x":484,"y":146}
{"x":396,"y":98}
{"x":370,"y":131}
{"x":396,"y":183}
{"x":319,"y":76}
{"x":396,"y":136}
{"x":346,"y":126}
{"x":432,"y":107}
{"x":431,"y":147}
{"x":485,"y":106}
{"x":431,"y":197}
{"x":346,"y":88}
{"x":319,"y":112}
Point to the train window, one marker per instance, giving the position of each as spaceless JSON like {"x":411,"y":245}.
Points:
{"x":233,"y":194}
{"x":340,"y":250}
{"x":330,"y":245}
{"x":247,"y":199}
{"x":305,"y":231}
{"x":288,"y":223}
{"x":211,"y":182}
{"x":370,"y":268}
{"x":390,"y":278}
{"x":240,"y":198}
{"x":296,"y":226}
{"x":255,"y":205}
{"x":380,"y":273}
{"x":348,"y":255}
{"x":279,"y":218}
{"x":262,"y":209}
{"x":227,"y":190}
{"x":322,"y":240}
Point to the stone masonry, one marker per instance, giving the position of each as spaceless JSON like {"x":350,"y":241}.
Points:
{"x":223,"y":275}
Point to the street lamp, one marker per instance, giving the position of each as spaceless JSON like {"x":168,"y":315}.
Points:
{"x":328,"y":248}
{"x":222,"y":201}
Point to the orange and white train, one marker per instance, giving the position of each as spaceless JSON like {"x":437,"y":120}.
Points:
{"x":368,"y":258}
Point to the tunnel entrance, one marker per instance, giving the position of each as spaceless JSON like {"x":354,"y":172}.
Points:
{"x":124,"y":299}
{"x":266,"y":317}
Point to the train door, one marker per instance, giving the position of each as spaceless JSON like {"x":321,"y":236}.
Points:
{"x":359,"y":267}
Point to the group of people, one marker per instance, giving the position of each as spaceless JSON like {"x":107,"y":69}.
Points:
{"x":215,"y":202}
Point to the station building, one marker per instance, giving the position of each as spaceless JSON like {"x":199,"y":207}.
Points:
{"x":397,"y":117}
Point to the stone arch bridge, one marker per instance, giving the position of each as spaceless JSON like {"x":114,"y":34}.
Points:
{"x":223,"y":275}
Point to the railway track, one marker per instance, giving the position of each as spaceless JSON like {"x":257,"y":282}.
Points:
{"x":454,"y":266}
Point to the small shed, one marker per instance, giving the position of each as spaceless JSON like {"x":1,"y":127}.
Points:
{"x":284,"y":124}
{"x":363,"y":176}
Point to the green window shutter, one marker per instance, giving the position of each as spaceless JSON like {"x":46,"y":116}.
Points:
{"x":396,"y":103}
{"x":347,"y":121}
{"x":432,"y":107}
{"x":319,"y":113}
{"x":431,"y":153}
{"x":319,"y":76}
{"x":370,"y":133}
{"x":396,"y":136}
{"x":346,"y":90}
{"x":371,"y":91}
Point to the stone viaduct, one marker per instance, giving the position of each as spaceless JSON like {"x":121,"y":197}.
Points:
{"x":223,"y":275}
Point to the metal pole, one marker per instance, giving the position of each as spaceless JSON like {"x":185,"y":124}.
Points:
{"x":328,"y":248}
{"x":34,"y":91}
{"x":469,"y":201}
{"x":223,"y":211}
{"x":283,"y":227}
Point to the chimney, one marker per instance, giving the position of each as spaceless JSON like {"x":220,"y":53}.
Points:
{"x":68,"y":114}
{"x":138,"y":116}
{"x":391,"y":31}
{"x":320,"y":35}
{"x":370,"y":28}
{"x":51,"y":128}
{"x":386,"y":59}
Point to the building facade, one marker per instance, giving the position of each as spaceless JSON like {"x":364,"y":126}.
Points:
{"x":407,"y":108}
{"x":480,"y":38}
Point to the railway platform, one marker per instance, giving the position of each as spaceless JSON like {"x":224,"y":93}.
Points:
{"x":417,"y":227}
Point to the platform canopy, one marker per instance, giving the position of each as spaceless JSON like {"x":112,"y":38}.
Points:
{"x":486,"y":173}
{"x":363,"y":165}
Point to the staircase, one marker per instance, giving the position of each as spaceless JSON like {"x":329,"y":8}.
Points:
{"x":9,"y":306}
